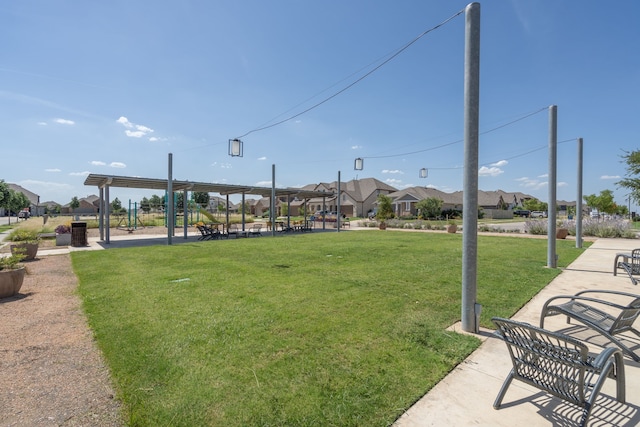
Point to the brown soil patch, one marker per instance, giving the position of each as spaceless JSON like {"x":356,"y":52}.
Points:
{"x":52,"y":373}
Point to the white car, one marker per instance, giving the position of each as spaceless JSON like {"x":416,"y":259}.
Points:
{"x":538,"y":214}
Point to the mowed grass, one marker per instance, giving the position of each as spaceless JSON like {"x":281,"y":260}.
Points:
{"x":324,"y":329}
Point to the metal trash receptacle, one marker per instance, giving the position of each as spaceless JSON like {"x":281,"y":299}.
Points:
{"x":79,"y":233}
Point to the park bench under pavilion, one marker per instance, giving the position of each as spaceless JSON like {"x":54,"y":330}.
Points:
{"x":105,"y":182}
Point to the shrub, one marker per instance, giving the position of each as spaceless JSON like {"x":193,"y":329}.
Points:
{"x":24,"y":235}
{"x":538,"y":227}
{"x":615,"y":228}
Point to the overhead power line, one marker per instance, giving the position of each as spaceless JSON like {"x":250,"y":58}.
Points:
{"x":393,"y":56}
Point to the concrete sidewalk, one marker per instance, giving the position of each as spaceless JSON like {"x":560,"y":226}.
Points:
{"x":465,"y":397}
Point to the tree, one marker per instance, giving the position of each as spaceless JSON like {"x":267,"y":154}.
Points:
{"x":116,"y":205}
{"x":156,"y":202}
{"x":4,"y":195}
{"x":430,"y":207}
{"x":632,"y":180}
{"x":535,"y":205}
{"x":385,"y":208}
{"x":603,"y":203}
{"x":74,"y":204}
{"x":201,"y":198}
{"x":145,"y":206}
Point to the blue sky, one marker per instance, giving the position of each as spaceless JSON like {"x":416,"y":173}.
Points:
{"x":113,"y":87}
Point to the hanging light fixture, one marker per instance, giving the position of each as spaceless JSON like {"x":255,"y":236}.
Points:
{"x":359,"y":164}
{"x":424,"y":172}
{"x":235,"y":148}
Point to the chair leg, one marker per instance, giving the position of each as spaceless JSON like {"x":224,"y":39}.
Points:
{"x":503,"y":390}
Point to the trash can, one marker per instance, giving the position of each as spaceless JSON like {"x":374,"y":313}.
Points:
{"x":78,"y":233}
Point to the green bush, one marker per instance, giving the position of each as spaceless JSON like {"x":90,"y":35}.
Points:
{"x":24,"y":235}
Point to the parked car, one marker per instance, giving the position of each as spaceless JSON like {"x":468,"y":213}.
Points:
{"x":24,"y":214}
{"x":538,"y":214}
{"x":522,"y":212}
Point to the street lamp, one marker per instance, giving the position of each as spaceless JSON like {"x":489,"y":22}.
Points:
{"x":358,"y":164}
{"x":235,"y":147}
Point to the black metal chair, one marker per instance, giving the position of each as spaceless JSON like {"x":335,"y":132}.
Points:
{"x":559,"y":365}
{"x":589,"y":310}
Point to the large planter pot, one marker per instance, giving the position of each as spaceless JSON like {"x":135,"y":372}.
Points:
{"x":562,"y":233}
{"x":452,"y":228}
{"x":29,"y":250}
{"x":63,"y":239}
{"x":11,"y":282}
{"x":382,"y":226}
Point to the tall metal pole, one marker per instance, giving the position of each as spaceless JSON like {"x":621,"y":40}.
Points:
{"x":338,"y":214}
{"x":552,"y":259}
{"x":579,"y":198}
{"x":169,"y":207}
{"x":272,"y":212}
{"x":470,"y":309}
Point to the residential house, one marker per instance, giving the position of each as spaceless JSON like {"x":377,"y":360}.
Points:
{"x":34,"y":200}
{"x":357,"y":197}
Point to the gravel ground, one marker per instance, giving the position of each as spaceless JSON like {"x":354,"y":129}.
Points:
{"x":52,"y":373}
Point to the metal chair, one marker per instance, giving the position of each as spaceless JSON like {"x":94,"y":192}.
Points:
{"x":559,"y":365}
{"x":631,"y":265}
{"x":589,"y":310}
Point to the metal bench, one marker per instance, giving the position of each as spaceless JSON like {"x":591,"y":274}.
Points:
{"x":588,"y":307}
{"x":630,"y":264}
{"x":559,"y":365}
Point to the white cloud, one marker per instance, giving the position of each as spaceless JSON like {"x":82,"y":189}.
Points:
{"x":263,"y":183}
{"x":262,"y":158}
{"x":492,"y":171}
{"x":64,"y":122}
{"x":118,"y":165}
{"x":52,"y":170}
{"x":97,"y":163}
{"x":562,"y":184}
{"x":394,"y":171}
{"x":134,"y":133}
{"x":125,"y":122}
{"x":610,"y":177}
{"x":134,"y":130}
{"x":42,"y":123}
{"x":221,"y":165}
{"x":533,"y":184}
{"x":393,"y":182}
{"x":544,"y":175}
{"x":153,"y":139}
{"x":53,"y":186}
{"x":356,"y":147}
{"x":85,"y":173}
{"x":500,"y":163}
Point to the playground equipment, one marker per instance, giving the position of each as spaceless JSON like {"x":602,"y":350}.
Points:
{"x":126,"y":223}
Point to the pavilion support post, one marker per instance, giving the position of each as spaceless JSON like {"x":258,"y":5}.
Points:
{"x":101,"y":214}
{"x":107,"y":204}
{"x":185,"y":212}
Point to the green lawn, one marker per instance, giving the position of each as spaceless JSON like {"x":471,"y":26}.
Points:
{"x":344,"y":329}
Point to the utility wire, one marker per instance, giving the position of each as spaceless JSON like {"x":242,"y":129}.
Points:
{"x":398,"y":52}
{"x":460,"y":140}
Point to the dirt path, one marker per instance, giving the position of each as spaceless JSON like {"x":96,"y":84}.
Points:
{"x":52,"y":373}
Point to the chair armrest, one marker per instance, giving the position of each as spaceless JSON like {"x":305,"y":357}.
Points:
{"x":580,"y":298}
{"x":595,"y":291}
